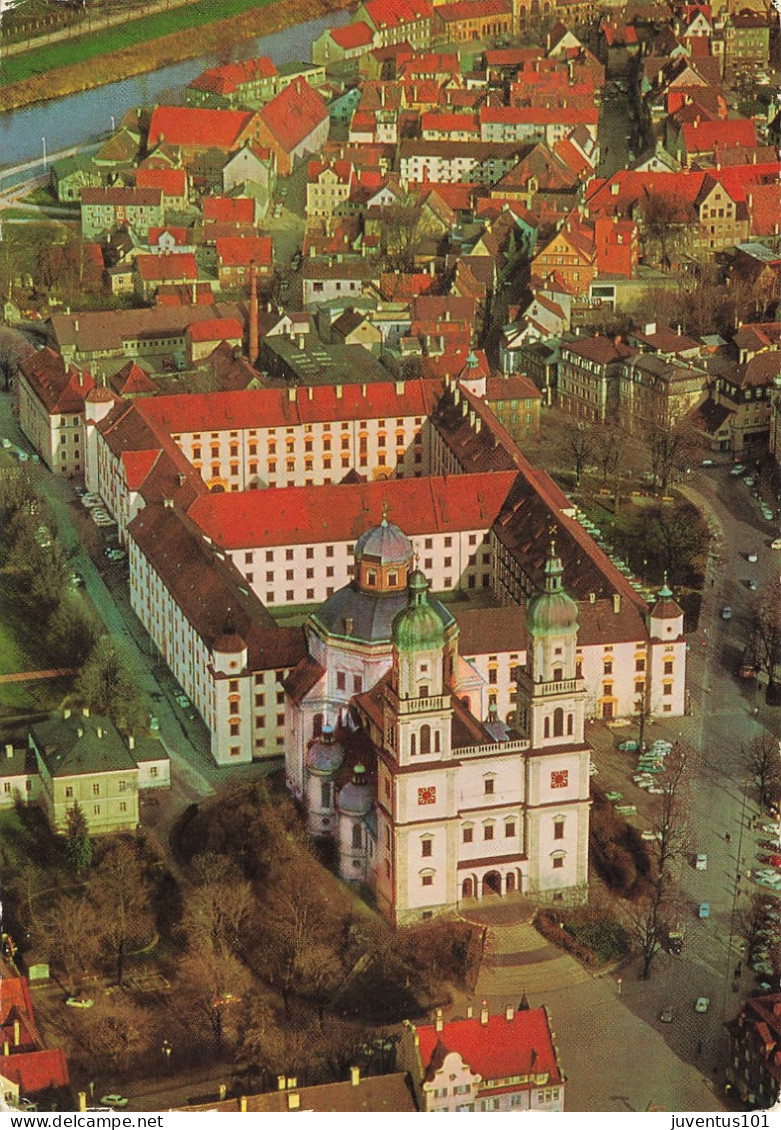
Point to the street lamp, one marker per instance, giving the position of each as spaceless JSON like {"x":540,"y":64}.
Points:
{"x":43,"y":142}
{"x":619,"y":982}
{"x":166,"y":1050}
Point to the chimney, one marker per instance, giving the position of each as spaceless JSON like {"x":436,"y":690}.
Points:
{"x":131,"y":741}
{"x":509,"y":1012}
{"x":9,"y":749}
{"x":399,"y":388}
{"x":309,"y":391}
{"x":17,"y":1034}
{"x":292,"y":1082}
{"x":281,"y":1082}
{"x":484,"y":1013}
{"x":181,"y":478}
{"x":348,"y":625}
{"x":616,"y":602}
{"x":66,"y":713}
{"x":168,"y":504}
{"x":85,"y":711}
{"x":438,"y":1021}
{"x":243,"y":1104}
{"x":6,"y":1048}
{"x":76,"y":324}
{"x":338,"y":392}
{"x":293,"y":1101}
{"x":592,"y":598}
{"x":291,"y":393}
{"x":82,"y":1100}
{"x":222,"y":1092}
{"x":469,"y":1012}
{"x":355,"y":1076}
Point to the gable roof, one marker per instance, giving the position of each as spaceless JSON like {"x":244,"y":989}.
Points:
{"x":293,"y":114}
{"x":196,"y":127}
{"x":60,"y":388}
{"x":499,"y":1049}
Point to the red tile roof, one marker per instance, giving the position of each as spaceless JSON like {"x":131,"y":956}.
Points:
{"x":126,"y":197}
{"x":343,"y":512}
{"x":293,"y":114}
{"x":229,"y":209}
{"x":235,"y":251}
{"x":461,"y":10}
{"x":227,"y":79}
{"x":60,"y":389}
{"x":197,"y":128}
{"x":216,"y":329}
{"x":499,"y":1049}
{"x":167,"y":268}
{"x":132,"y":380}
{"x":703,"y":137}
{"x":180,"y":236}
{"x":37,"y":1071}
{"x":137,"y":465}
{"x":353,"y":35}
{"x":392,"y":13}
{"x":171,"y":182}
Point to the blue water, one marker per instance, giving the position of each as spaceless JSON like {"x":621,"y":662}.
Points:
{"x":75,"y":119}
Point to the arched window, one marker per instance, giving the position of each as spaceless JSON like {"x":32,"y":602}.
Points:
{"x":317,"y":725}
{"x":558,"y":722}
{"x":570,"y":724}
{"x":413,"y":744}
{"x":357,"y":836}
{"x":425,"y":739}
{"x":437,"y":743}
{"x":547,"y":728}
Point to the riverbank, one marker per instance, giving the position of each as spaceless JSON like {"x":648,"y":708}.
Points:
{"x":140,"y":57}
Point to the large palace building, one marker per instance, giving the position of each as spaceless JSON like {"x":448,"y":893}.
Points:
{"x":364,"y":576}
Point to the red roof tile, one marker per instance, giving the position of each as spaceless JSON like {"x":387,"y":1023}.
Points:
{"x":353,"y":35}
{"x":229,"y":209}
{"x":499,"y":1049}
{"x":172,"y":182}
{"x":34,"y":1072}
{"x":702,"y":137}
{"x":235,"y":251}
{"x":137,"y":465}
{"x":197,"y":128}
{"x":344,"y":512}
{"x":293,"y":114}
{"x":167,"y":268}
{"x":59,"y":388}
{"x":215,"y":329}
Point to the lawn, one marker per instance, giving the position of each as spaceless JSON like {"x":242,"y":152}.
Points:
{"x":136,"y":33}
{"x":19,"y":653}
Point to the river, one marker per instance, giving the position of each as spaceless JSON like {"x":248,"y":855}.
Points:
{"x":69,"y":121}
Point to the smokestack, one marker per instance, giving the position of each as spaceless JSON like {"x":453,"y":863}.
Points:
{"x":17,"y":1034}
{"x":484,"y":1013}
{"x":9,"y":749}
{"x":355,"y":1076}
{"x":252,"y":345}
{"x":616,"y":602}
{"x":222,"y":1091}
{"x":509,"y":1012}
{"x":438,"y":1021}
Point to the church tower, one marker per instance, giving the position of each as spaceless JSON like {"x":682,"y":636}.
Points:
{"x":416,"y":865}
{"x":551,"y":713}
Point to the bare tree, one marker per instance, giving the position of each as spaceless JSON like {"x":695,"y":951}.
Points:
{"x":767,"y":632}
{"x":71,"y":936}
{"x":218,"y":908}
{"x":763,"y":760}
{"x":122,"y":897}
{"x":581,"y":446}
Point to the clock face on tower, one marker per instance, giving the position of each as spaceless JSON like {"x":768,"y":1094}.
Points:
{"x":558,"y":778}
{"x":427,"y":795}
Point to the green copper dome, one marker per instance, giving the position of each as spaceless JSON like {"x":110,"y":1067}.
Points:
{"x":417,"y":627}
{"x":551,"y":612}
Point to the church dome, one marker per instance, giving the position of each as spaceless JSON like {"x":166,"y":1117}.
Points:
{"x":552,"y":612}
{"x":324,"y":756}
{"x":418,"y":626}
{"x":385,"y":544}
{"x":355,"y":798}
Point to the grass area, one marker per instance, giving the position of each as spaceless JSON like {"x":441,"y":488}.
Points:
{"x":606,"y":939}
{"x":135,"y":33}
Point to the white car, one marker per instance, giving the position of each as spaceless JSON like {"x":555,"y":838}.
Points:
{"x":751,"y":558}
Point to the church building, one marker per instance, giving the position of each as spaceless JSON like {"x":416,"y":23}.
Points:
{"x":429,"y":802}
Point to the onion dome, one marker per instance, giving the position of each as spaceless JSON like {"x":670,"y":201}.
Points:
{"x":552,"y":612}
{"x":385,"y":544}
{"x":418,"y":626}
{"x":355,"y":798}
{"x":325,"y":756}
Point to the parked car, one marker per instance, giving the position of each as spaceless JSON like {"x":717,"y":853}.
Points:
{"x":726,"y":612}
{"x":666,"y":1015}
{"x":701,"y":861}
{"x":116,"y":1102}
{"x":701,"y":1004}
{"x":751,"y":558}
{"x":738,"y":469}
{"x":627,"y":746}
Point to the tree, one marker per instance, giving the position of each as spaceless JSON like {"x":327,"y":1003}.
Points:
{"x":208,"y":997}
{"x":78,"y":846}
{"x":106,"y":688}
{"x":71,"y":935}
{"x":113,"y":1034}
{"x":122,"y":897}
{"x":763,"y":760}
{"x":767,"y":631}
{"x":581,"y":447}
{"x":218,"y":909}
{"x":666,"y":224}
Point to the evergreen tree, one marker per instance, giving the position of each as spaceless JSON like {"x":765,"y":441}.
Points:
{"x":78,"y":846}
